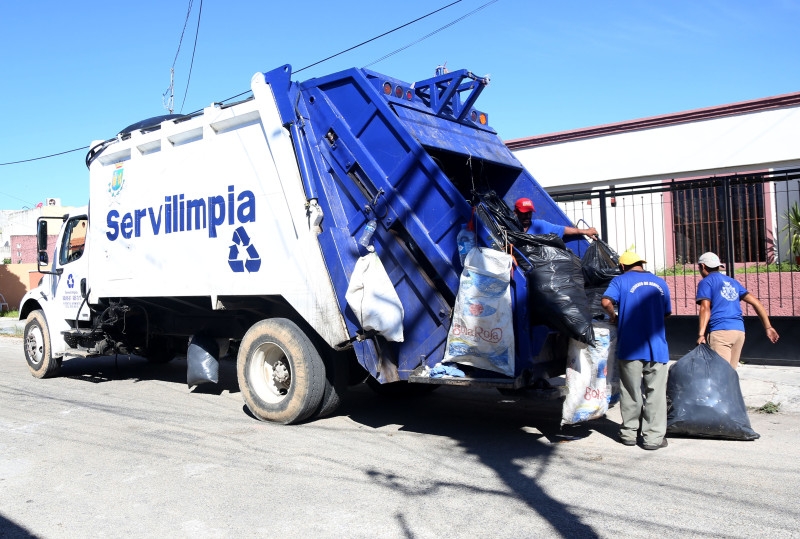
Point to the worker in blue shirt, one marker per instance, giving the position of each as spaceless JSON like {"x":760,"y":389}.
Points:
{"x":643,"y":302}
{"x":720,"y":297}
{"x":523,"y":208}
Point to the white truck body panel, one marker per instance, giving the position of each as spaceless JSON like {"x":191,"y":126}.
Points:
{"x":212,"y":206}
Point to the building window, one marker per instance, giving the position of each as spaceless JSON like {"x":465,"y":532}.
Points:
{"x":699,"y":217}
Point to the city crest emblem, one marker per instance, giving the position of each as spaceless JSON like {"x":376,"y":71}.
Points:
{"x":117,"y":181}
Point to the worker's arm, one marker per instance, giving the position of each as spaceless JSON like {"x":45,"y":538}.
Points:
{"x":608,"y":307}
{"x":572,"y":231}
{"x":750,"y":299}
{"x":705,"y":316}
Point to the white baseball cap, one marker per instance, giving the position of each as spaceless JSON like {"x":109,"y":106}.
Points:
{"x":710,"y":260}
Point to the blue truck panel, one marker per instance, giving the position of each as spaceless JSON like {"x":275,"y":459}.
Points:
{"x":408,"y":156}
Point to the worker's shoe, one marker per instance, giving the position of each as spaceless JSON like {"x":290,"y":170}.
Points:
{"x":626,"y":441}
{"x":653,"y":447}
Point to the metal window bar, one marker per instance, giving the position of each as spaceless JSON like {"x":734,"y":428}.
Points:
{"x":693,"y":214}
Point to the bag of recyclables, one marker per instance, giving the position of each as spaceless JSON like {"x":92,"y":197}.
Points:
{"x":482,"y":332}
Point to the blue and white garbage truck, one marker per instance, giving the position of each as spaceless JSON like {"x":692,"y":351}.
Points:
{"x":242,"y":223}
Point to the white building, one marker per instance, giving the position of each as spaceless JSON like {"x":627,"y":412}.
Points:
{"x":740,"y":138}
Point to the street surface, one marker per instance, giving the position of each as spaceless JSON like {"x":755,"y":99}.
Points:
{"x":122,"y":448}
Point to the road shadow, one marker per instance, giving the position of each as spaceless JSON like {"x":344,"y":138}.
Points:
{"x":502,"y":432}
{"x":10,"y":530}
{"x":98,"y":370}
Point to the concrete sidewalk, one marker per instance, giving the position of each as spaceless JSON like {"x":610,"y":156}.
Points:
{"x":761,"y":384}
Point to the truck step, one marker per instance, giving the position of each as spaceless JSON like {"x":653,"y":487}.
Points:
{"x":417,"y":377}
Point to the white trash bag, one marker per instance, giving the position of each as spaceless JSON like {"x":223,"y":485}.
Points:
{"x":590,"y":376}
{"x":373,"y":299}
{"x":482,"y":330}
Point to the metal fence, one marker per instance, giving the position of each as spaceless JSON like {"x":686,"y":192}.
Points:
{"x":743,"y":218}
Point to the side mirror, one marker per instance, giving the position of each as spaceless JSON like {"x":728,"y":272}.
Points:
{"x":41,"y":241}
{"x":41,"y":235}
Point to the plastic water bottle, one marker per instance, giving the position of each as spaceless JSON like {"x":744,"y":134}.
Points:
{"x":366,"y":236}
{"x":465,"y":241}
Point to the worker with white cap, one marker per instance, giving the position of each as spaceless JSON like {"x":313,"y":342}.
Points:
{"x":720,"y":297}
{"x":643,"y":302}
{"x":524,"y":209}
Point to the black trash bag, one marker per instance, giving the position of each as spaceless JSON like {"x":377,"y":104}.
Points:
{"x":496,"y":215}
{"x":553,"y":272}
{"x":555,"y":284}
{"x":594,"y":297}
{"x":705,"y":399}
{"x":600,"y":264}
{"x":202,"y":360}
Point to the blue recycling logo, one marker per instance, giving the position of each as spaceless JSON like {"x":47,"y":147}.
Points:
{"x":243,"y":255}
{"x":70,"y":281}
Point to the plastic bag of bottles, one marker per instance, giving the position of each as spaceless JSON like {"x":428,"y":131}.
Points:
{"x":482,"y":330}
{"x":587,"y":386}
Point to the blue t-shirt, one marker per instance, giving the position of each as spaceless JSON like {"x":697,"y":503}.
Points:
{"x":540,"y":226}
{"x":642,"y":301}
{"x":724,"y":293}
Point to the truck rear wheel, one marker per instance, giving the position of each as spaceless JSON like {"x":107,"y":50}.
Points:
{"x":281,"y":374}
{"x":38,"y":352}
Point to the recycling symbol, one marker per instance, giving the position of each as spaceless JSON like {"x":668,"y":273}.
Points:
{"x":241,"y":242}
{"x":70,"y":281}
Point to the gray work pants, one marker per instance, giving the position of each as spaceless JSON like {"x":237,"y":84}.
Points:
{"x":649,"y":408}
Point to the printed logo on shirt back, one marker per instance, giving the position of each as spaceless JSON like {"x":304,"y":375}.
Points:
{"x":729,"y":292}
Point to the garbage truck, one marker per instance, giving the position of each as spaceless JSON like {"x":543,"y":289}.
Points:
{"x":244,"y":223}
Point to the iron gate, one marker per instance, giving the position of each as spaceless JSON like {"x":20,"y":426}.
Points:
{"x":742,"y":217}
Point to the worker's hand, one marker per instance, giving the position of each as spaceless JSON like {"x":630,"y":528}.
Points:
{"x":772,"y":335}
{"x":591,"y":232}
{"x":701,"y":339}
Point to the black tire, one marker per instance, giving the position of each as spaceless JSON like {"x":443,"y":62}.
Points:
{"x":336,"y":377}
{"x":38,"y":351}
{"x":281,"y":374}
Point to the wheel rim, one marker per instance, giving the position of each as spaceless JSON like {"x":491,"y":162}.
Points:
{"x":270,"y":373}
{"x":34,"y":344}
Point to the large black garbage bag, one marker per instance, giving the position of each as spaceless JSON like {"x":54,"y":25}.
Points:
{"x":202,"y":360}
{"x":600,"y":264}
{"x":705,"y":399}
{"x":555,"y":284}
{"x":553,"y":272}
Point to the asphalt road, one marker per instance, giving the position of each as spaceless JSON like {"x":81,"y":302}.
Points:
{"x":122,"y":448}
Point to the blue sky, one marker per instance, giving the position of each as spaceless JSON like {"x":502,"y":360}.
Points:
{"x":70,"y":75}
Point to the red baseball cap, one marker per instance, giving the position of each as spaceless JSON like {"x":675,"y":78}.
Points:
{"x":524,"y":205}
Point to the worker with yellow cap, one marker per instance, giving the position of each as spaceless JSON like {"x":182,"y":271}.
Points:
{"x":524,"y":209}
{"x":642,"y":303}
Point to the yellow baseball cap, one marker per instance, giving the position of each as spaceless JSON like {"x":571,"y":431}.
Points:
{"x":628,"y":258}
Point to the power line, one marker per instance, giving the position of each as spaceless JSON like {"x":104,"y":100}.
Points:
{"x":168,"y":102}
{"x":360,"y":44}
{"x":191,"y":65}
{"x":43,"y":157}
{"x":448,"y":25}
{"x":303,"y":68}
{"x":378,"y":37}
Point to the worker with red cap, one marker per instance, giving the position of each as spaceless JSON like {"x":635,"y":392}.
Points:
{"x":523,"y":208}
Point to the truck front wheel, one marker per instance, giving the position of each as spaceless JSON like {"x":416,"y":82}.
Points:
{"x":281,"y":374}
{"x":38,"y":353}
